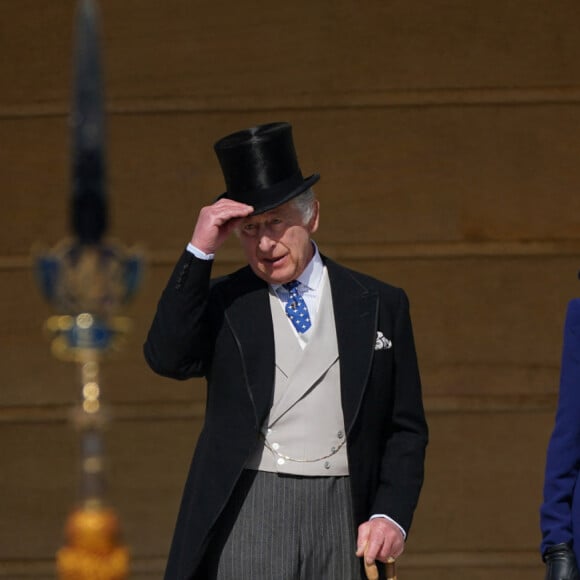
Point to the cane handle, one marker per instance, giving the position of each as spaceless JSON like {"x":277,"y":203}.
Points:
{"x":372,"y":572}
{"x":391,"y":569}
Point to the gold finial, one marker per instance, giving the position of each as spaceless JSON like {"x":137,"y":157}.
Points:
{"x":93,"y":550}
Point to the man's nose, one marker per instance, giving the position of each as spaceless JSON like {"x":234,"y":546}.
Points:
{"x":265,"y":242}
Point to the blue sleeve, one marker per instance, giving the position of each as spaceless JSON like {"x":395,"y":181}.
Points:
{"x":563,"y":454}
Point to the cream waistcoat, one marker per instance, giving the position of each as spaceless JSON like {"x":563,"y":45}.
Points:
{"x":304,"y":433}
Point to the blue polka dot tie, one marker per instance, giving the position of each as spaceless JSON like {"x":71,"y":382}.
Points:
{"x":296,"y":308}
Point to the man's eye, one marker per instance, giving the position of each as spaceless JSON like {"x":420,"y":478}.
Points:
{"x":249,"y":227}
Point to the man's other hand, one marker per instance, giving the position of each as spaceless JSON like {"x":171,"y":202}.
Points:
{"x":379,"y":539}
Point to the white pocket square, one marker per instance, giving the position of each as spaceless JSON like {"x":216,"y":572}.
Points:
{"x":382,"y":342}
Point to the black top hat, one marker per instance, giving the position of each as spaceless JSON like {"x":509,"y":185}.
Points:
{"x":260,"y":166}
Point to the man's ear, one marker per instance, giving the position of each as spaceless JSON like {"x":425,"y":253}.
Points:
{"x":313,"y":223}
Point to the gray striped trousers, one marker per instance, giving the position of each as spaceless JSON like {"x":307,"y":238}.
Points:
{"x":284,"y":527}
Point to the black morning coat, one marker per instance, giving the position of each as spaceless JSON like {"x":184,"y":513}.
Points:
{"x":223,"y":330}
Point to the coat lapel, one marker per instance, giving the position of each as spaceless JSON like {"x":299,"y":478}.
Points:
{"x":355,"y":315}
{"x":247,"y":311}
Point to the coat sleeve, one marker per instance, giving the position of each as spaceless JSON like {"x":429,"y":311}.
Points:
{"x":563,"y":453}
{"x":402,"y":466}
{"x":178,"y":344}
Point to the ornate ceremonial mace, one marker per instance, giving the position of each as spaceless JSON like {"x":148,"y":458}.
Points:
{"x":87,"y":280}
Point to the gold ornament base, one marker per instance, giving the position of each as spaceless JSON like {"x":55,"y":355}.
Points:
{"x":93,"y":551}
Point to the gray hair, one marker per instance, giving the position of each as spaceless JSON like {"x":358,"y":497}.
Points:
{"x":305,"y":204}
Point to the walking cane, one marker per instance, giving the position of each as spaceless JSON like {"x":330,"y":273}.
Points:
{"x":372,"y":572}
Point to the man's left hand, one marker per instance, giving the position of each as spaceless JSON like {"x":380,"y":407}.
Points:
{"x":379,"y":539}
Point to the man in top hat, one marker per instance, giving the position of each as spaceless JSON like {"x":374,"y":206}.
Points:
{"x":311,"y":455}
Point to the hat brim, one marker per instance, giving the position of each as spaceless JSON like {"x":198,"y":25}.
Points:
{"x":267,"y":200}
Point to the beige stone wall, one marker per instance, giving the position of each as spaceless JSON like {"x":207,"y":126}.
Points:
{"x":447,"y":136}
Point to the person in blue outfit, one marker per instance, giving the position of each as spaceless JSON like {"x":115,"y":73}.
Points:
{"x":560,"y":511}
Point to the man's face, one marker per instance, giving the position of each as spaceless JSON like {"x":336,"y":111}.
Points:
{"x":277,"y":243}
